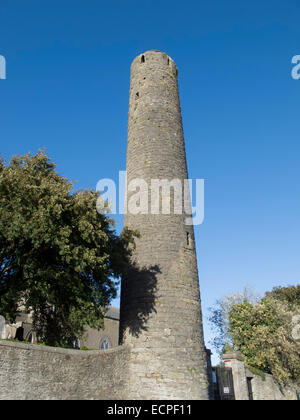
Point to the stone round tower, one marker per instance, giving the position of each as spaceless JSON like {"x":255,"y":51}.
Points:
{"x":160,"y":313}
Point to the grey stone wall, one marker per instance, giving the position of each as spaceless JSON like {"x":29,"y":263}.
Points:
{"x":262,"y":388}
{"x":160,"y":312}
{"x":34,"y":372}
{"x":269,"y":389}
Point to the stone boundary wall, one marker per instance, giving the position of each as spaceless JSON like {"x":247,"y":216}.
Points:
{"x":262,"y":389}
{"x":35,"y":372}
{"x":268,"y":389}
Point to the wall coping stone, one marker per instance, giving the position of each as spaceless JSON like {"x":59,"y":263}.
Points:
{"x":232,"y":355}
{"x":60,"y":350}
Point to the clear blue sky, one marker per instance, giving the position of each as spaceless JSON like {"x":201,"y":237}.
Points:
{"x":67,"y":90}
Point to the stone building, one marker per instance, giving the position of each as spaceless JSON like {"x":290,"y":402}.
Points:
{"x":106,"y":338}
{"x":93,"y":339}
{"x":160,"y":312}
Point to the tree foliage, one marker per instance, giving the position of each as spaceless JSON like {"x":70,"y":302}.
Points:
{"x":288,"y":295}
{"x":219,"y":318}
{"x":262,"y":332}
{"x":58,"y":256}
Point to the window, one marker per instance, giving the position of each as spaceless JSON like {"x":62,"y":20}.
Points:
{"x":76,"y":343}
{"x":19,"y":334}
{"x":105,"y":343}
{"x":188,"y":239}
{"x":143,"y":59}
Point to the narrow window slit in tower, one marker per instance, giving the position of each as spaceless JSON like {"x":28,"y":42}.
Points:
{"x":143,"y":59}
{"x":168,"y":61}
{"x":188,"y":239}
{"x":137,"y":95}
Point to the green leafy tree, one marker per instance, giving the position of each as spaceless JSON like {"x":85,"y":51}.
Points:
{"x":263,"y":334}
{"x":59,"y":257}
{"x":262,"y":331}
{"x":289,"y":295}
{"x":220,"y":322}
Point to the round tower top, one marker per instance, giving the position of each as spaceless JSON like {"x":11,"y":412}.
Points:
{"x":152,"y":60}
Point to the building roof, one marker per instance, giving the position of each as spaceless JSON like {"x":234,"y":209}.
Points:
{"x":113,"y":313}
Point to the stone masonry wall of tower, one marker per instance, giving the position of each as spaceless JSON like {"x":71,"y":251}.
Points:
{"x":160,"y":313}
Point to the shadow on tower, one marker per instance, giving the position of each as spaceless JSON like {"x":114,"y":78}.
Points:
{"x":134,"y":316}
